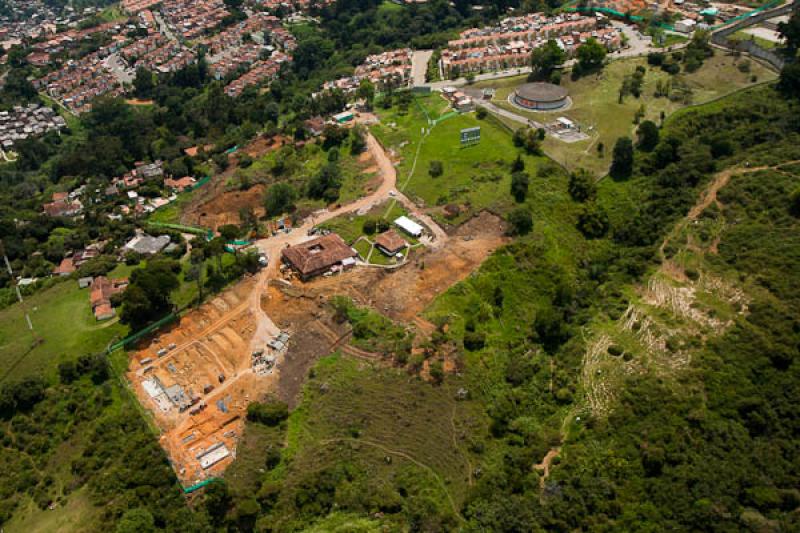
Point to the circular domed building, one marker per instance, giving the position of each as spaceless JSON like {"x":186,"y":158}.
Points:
{"x":541,"y":96}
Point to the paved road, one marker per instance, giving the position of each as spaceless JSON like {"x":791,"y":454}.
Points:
{"x":119,"y":69}
{"x":163,"y":27}
{"x":419,"y":66}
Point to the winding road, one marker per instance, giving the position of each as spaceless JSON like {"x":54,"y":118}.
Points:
{"x":272,"y":246}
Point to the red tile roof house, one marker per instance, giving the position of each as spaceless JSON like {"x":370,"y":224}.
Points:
{"x":318,"y":256}
{"x":66,"y":267}
{"x":180,"y":185}
{"x":100,"y":297}
{"x":61,"y":206}
{"x":390,"y":242}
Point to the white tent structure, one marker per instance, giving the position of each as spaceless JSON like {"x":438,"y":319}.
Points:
{"x":409,"y":226}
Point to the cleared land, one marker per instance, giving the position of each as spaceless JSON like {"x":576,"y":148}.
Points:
{"x":596,"y":108}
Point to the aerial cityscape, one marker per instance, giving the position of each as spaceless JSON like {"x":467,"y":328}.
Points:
{"x":399,"y":265}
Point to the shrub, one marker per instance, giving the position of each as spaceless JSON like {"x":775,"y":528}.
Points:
{"x":435,"y":169}
{"x":521,"y":221}
{"x":270,"y":413}
{"x":474,"y":340}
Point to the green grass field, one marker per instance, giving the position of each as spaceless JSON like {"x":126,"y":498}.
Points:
{"x":63,"y":320}
{"x":475,"y":177}
{"x":171,"y":213}
{"x":596,"y":107}
{"x":391,"y":433}
{"x":760,"y":41}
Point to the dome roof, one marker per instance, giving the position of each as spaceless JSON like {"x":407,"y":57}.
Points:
{"x":542,"y":92}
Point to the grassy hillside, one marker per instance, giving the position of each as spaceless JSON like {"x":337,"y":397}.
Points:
{"x":596,"y":107}
{"x":474,"y":177}
{"x":64,"y":326}
{"x":371,"y":439}
{"x":637,"y":379}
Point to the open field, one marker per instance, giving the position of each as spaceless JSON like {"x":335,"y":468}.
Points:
{"x":65,"y":325}
{"x":474,"y":178}
{"x":596,"y":108}
{"x":77,"y":514}
{"x":395,"y":433}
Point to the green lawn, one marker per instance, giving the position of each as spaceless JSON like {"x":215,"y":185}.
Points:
{"x":351,"y":225}
{"x":596,"y":107}
{"x":760,"y":41}
{"x":171,"y":213}
{"x":63,"y":321}
{"x":475,"y":177}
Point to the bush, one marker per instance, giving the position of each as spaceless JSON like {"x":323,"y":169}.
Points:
{"x":435,"y":169}
{"x":519,"y":186}
{"x":615,"y":350}
{"x":655,"y":58}
{"x":581,"y":186}
{"x":481,"y":113}
{"x":270,"y":413}
{"x":521,"y":221}
{"x":474,"y":340}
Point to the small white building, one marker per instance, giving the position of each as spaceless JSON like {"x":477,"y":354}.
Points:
{"x":685,"y":25}
{"x":409,"y":226}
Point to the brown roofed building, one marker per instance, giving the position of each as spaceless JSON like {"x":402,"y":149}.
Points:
{"x":180,"y":185}
{"x":100,"y":297}
{"x":66,"y":267}
{"x":318,"y":256}
{"x":390,"y":242}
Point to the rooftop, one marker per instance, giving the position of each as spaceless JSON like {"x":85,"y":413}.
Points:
{"x":318,"y":254}
{"x":542,"y":92}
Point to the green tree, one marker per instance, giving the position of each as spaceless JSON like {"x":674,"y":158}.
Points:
{"x":794,"y":202}
{"x":144,"y":83}
{"x":592,"y":221}
{"x":647,"y":136}
{"x":147,"y":297}
{"x":790,"y":30}
{"x":581,"y":185}
{"x":358,"y":139}
{"x":521,"y":221}
{"x":544,"y":59}
{"x":366,"y":91}
{"x":622,"y":158}
{"x":789,"y":82}
{"x":518,"y":165}
{"x":519,"y":186}
{"x":136,"y":520}
{"x":280,"y":199}
{"x":591,"y":55}
{"x":325,"y":185}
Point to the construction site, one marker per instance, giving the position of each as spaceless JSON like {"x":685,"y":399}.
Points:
{"x":259,"y":338}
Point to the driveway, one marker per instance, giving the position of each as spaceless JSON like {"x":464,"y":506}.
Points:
{"x":419,"y":66}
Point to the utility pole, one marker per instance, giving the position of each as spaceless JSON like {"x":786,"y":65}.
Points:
{"x":16,"y":286}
